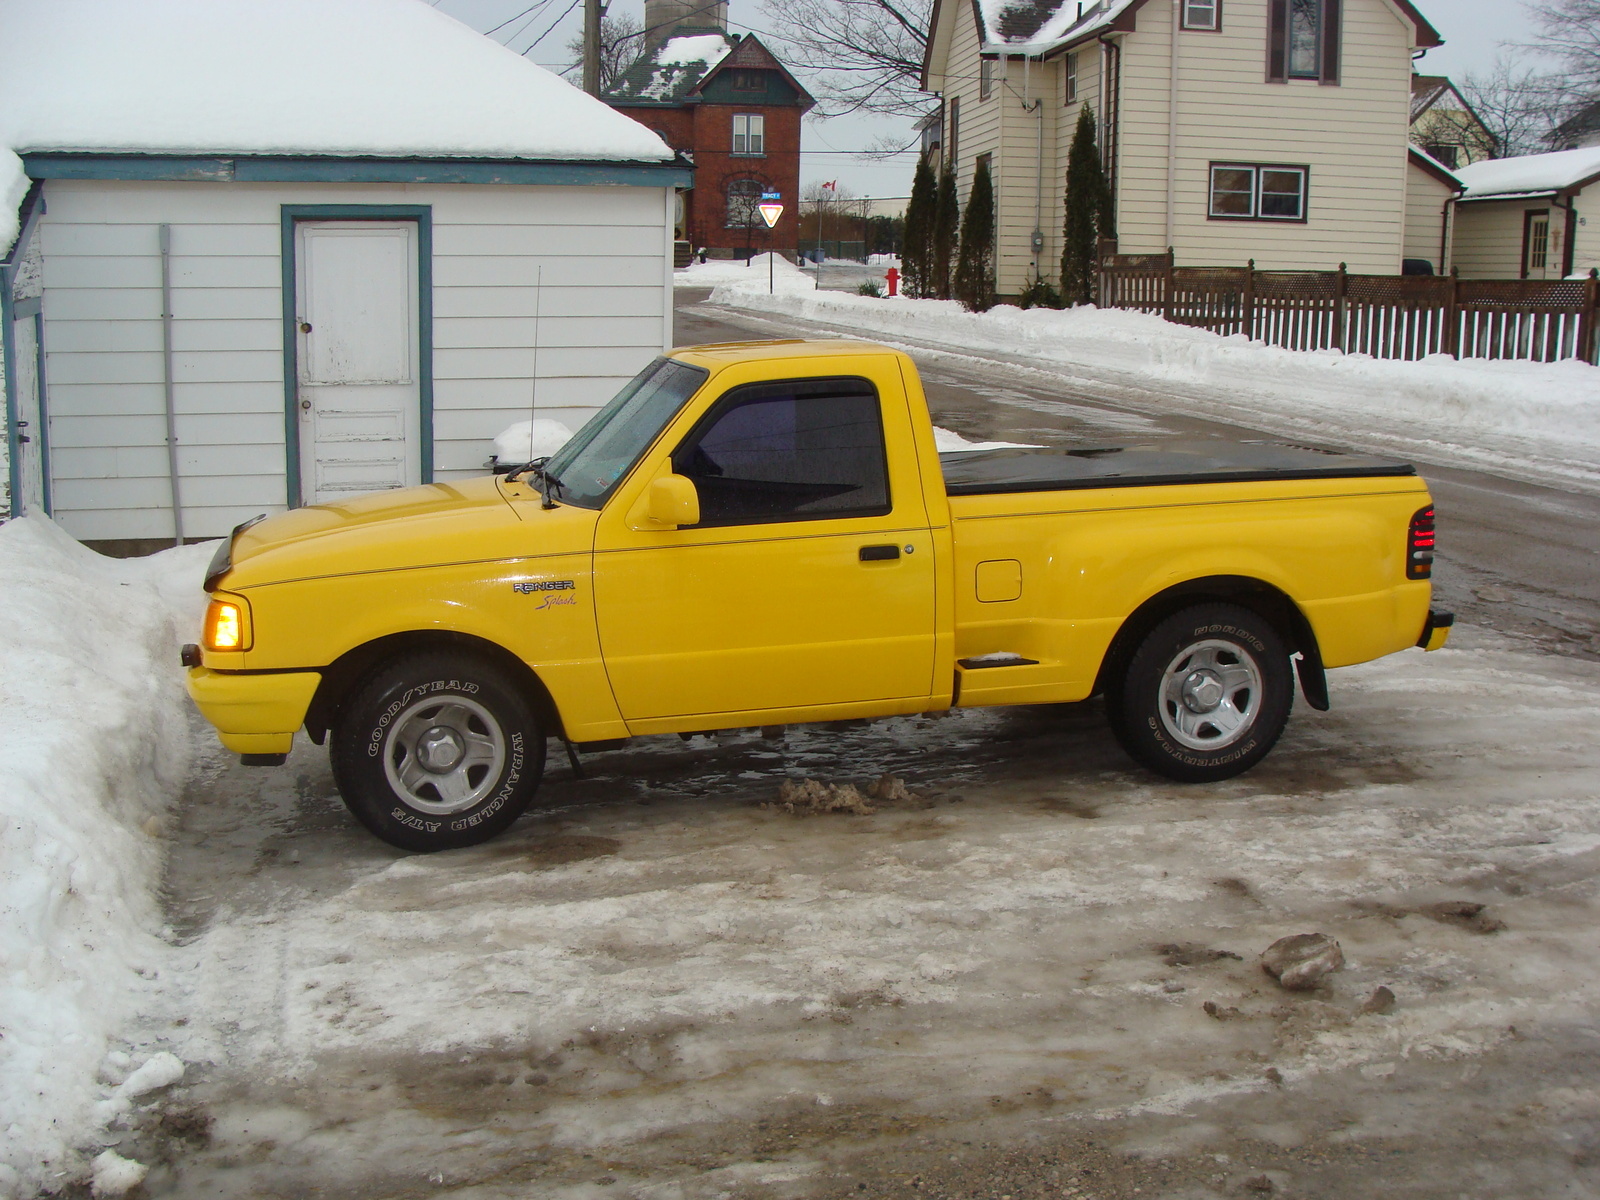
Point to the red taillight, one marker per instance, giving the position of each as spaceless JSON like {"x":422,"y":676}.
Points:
{"x":1419,"y":545}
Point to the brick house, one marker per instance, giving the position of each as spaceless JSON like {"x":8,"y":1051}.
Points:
{"x":731,"y":107}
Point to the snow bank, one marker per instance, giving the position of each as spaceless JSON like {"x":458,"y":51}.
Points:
{"x":94,"y":724}
{"x":1536,"y":420}
{"x":528,"y":440}
{"x":786,"y":276}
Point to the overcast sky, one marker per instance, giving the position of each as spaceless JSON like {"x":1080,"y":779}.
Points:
{"x":1474,"y":32}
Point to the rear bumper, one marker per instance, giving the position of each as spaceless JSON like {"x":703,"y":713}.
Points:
{"x":254,"y":713}
{"x":1436,"y":630}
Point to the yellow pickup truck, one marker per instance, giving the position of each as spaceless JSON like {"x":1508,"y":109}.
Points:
{"x":763,"y":533}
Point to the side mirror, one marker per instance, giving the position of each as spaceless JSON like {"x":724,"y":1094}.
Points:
{"x":672,"y":501}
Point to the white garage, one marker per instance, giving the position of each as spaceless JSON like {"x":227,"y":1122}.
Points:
{"x":341,"y":263}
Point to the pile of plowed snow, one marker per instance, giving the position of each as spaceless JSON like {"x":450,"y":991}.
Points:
{"x":95,"y":737}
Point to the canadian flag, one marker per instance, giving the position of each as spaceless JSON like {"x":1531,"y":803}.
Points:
{"x":831,"y":185}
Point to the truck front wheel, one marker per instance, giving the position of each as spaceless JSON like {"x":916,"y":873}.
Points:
{"x":437,"y":751}
{"x":1206,"y":694}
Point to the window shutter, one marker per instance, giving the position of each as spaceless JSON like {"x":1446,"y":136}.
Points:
{"x":1330,"y":41}
{"x":1278,"y":41}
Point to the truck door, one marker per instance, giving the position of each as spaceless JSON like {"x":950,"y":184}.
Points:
{"x":809,"y":581}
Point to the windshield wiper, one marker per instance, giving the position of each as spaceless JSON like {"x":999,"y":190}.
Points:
{"x":549,"y":486}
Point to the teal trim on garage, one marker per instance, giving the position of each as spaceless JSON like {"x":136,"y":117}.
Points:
{"x":284,"y":169}
{"x":422,"y":214}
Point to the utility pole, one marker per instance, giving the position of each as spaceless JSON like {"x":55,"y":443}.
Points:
{"x":593,"y":10}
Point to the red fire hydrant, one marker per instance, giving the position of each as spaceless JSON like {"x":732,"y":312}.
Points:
{"x":892,"y":278}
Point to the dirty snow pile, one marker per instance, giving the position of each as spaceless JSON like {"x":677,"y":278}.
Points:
{"x":1537,"y":420}
{"x":95,"y":734}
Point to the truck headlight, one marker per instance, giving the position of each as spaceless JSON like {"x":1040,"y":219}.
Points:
{"x":227,"y":624}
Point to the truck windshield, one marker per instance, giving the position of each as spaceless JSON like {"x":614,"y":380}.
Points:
{"x":590,"y":466}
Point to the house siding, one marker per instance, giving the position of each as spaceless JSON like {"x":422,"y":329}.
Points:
{"x":605,"y":310}
{"x":1353,"y":138}
{"x":1488,"y":237}
{"x":1426,"y":196}
{"x":1586,"y":243}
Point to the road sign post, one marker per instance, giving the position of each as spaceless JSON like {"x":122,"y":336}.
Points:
{"x":770,"y":211}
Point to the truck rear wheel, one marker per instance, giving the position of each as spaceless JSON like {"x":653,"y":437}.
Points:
{"x":1205,"y":696}
{"x":437,"y":751}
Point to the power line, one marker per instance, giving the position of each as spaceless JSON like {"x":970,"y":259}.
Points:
{"x":551,"y":28}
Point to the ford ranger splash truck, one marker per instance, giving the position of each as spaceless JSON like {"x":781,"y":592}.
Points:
{"x":763,"y":533}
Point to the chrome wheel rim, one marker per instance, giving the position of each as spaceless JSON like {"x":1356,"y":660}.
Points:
{"x":1210,"y":695}
{"x":443,"y":755}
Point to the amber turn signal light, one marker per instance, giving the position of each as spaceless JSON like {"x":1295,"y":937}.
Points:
{"x":226,"y":627}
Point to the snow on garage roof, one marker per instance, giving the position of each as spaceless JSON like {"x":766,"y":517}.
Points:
{"x":303,"y":77}
{"x":1529,"y":173}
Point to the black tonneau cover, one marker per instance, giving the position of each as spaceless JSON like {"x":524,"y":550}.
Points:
{"x":986,"y":472}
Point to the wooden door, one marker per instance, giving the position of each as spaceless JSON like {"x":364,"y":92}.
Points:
{"x":358,"y":396}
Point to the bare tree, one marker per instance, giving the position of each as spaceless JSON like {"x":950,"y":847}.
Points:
{"x":622,"y":44}
{"x":1569,"y":32}
{"x":867,"y":54}
{"x":1519,"y":105}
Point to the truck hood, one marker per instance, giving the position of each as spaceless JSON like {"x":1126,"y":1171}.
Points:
{"x":473,"y":520}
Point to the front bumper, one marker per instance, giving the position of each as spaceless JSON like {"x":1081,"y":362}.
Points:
{"x":1436,"y":630}
{"x":254,"y":713}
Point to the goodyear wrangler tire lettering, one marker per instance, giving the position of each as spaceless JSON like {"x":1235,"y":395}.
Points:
{"x":436,"y":751}
{"x":1206,"y":694}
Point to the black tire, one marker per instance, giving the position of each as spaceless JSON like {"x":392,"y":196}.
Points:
{"x":437,"y":751}
{"x":1205,"y":696}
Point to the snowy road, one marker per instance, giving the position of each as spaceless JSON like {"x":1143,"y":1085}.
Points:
{"x":1036,"y":977}
{"x":1517,"y":555}
{"x":1039,"y":974}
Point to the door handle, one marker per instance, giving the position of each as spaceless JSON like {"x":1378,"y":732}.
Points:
{"x":879,"y":553}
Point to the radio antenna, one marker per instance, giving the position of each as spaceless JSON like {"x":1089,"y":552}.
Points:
{"x":533,"y":393}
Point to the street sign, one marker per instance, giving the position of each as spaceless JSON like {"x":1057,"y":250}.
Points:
{"x":770,"y":213}
{"x":772,"y":195}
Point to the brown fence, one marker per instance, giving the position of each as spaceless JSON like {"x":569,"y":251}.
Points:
{"x":1386,"y":316}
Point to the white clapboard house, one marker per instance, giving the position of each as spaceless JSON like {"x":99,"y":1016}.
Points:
{"x":266,"y":253}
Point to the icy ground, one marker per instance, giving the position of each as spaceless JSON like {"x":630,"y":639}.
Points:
{"x":1534,"y":421}
{"x":656,"y":987}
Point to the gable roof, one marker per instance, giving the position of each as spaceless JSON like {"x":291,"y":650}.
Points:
{"x":668,"y":73}
{"x":676,"y":73}
{"x":308,"y":77}
{"x":1041,"y":27}
{"x":1585,"y":120}
{"x":1531,"y":174}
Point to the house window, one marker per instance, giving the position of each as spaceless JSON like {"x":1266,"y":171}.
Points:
{"x":1202,"y":14}
{"x":1253,"y":192}
{"x":1445,"y":156}
{"x":744,"y":199}
{"x":749,"y":134}
{"x":1072,"y":77}
{"x":1303,"y":40}
{"x":985,"y":78}
{"x":749,"y":81}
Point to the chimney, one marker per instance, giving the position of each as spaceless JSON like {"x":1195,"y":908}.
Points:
{"x":664,"y":18}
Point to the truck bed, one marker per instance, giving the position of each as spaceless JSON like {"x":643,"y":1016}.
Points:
{"x":988,"y":472}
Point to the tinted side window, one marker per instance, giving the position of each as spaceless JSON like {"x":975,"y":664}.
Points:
{"x":803,"y":450}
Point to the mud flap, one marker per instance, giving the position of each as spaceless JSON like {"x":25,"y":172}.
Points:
{"x":1313,"y":679}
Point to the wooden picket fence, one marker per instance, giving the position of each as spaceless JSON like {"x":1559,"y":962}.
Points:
{"x":1386,"y":316}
